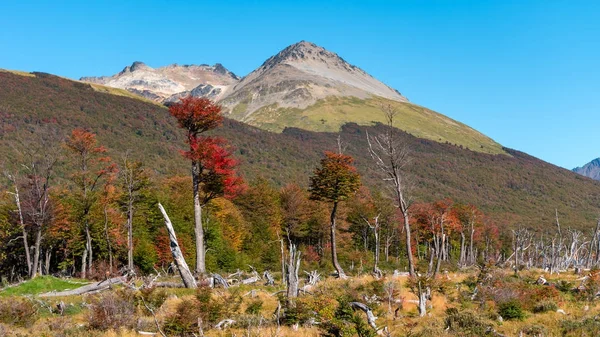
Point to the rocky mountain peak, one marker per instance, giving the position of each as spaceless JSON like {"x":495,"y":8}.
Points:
{"x":135,"y":66}
{"x":591,"y":169}
{"x":305,"y":51}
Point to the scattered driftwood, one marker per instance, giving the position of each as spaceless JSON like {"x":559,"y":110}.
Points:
{"x":269,"y":277}
{"x":184,"y":270}
{"x":168,"y":285}
{"x":218,"y":279}
{"x":255,"y":278}
{"x":90,"y":288}
{"x":313,"y":277}
{"x":370,"y":316}
{"x":224,"y":324}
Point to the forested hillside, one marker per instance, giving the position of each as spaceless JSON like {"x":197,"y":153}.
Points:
{"x":513,"y":190}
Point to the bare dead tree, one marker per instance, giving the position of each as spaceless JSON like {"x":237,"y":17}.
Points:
{"x":292,"y":268}
{"x":182,"y":266}
{"x":14,"y":180}
{"x":134,"y":179}
{"x":375,"y":227}
{"x":391,"y":157}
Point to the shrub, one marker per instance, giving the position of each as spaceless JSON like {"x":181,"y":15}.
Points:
{"x":564,"y":286}
{"x":204,"y":307}
{"x":18,"y":311}
{"x":534,"y":331}
{"x":511,"y":310}
{"x":464,"y":322}
{"x":544,"y":306}
{"x":254,"y":307}
{"x":151,"y":297}
{"x":112,"y":310}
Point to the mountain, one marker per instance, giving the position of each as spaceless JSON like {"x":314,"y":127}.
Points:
{"x":300,"y":75}
{"x":512,"y":189}
{"x":166,"y":84}
{"x":303,"y":86}
{"x":591,"y":169}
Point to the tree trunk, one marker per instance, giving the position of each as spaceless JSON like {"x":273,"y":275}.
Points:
{"x":48,"y":256}
{"x":376,"y":266}
{"x":293,"y":266}
{"x":462,"y":259}
{"x":84,"y":262}
{"x":334,"y":258}
{"x":409,"y":255}
{"x":36,"y":254}
{"x":471,"y":253}
{"x":129,"y":233}
{"x":110,"y":257}
{"x":422,"y":301}
{"x":22,"y":223}
{"x":198,"y":230}
{"x":184,"y":270}
{"x":89,"y":247}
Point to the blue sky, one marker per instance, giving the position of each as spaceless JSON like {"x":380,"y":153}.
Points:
{"x":523,"y":72}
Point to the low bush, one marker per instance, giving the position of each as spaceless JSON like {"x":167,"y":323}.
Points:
{"x":511,"y":310}
{"x":112,"y":310}
{"x":18,"y":312}
{"x":545,"y":306}
{"x":464,"y":322}
{"x":254,"y":307}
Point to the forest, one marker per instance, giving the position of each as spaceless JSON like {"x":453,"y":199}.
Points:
{"x":95,"y":244}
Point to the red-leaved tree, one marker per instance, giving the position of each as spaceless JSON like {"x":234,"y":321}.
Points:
{"x":213,"y":168}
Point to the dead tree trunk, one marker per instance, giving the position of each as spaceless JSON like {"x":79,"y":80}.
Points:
{"x":391,"y":157}
{"x":94,"y":287}
{"x":423,"y":295}
{"x":293,"y":266}
{"x":13,"y":179}
{"x":184,"y":270}
{"x":370,"y":316}
{"x":375,"y":227}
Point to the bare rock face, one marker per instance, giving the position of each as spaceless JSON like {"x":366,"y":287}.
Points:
{"x":300,"y":75}
{"x":296,"y":77}
{"x":169,"y":83}
{"x":591,"y":169}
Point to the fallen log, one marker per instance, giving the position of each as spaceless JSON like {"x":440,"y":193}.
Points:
{"x":370,"y":316}
{"x":90,"y":288}
{"x":168,"y":285}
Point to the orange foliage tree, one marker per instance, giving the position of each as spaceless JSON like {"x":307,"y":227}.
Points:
{"x":335,"y":181}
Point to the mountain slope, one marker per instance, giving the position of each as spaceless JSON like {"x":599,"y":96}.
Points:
{"x":591,"y":169}
{"x":300,"y":75}
{"x":515,"y":189}
{"x":303,"y":86}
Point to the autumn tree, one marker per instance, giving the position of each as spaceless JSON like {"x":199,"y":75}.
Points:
{"x":213,"y":168}
{"x":334,"y":181}
{"x":391,"y":157}
{"x":92,"y":167}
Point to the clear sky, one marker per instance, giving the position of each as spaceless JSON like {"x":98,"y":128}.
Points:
{"x":525,"y":73}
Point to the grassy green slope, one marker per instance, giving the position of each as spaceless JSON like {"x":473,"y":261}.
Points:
{"x":512,"y":189}
{"x":331,"y":113}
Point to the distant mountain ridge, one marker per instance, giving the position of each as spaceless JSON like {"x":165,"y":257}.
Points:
{"x":169,"y":83}
{"x":591,"y":169}
{"x":303,"y":86}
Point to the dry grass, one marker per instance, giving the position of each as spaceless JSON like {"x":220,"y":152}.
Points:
{"x":406,"y":323}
